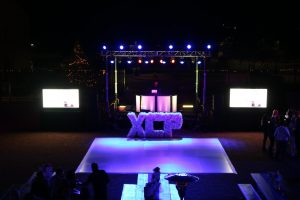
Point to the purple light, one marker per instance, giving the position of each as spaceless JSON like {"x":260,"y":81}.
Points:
{"x":140,"y":47}
{"x":186,"y":155}
{"x":188,"y":46}
{"x":121,"y":47}
{"x":170,"y":47}
{"x":208,"y":46}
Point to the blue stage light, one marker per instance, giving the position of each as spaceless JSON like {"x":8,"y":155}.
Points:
{"x":208,"y":46}
{"x":104,"y":47}
{"x":129,"y":61}
{"x":170,"y":47}
{"x":140,"y":47}
{"x":199,"y":62}
{"x":146,"y":62}
{"x":188,"y":46}
{"x":112,"y":61}
{"x":121,"y":47}
{"x":181,"y":62}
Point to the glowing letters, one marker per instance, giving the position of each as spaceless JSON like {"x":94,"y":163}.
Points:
{"x":171,"y":121}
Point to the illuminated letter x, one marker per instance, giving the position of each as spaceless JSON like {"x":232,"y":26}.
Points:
{"x":136,"y":129}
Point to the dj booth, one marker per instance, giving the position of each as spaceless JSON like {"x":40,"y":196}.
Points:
{"x":156,"y":103}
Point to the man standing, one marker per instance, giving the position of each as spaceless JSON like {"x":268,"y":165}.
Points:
{"x":99,"y":180}
{"x":282,"y":136}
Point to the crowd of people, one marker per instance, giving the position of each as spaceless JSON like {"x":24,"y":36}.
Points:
{"x":50,"y":184}
{"x":281,"y":137}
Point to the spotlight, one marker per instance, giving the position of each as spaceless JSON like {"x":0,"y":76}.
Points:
{"x":146,"y":62}
{"x":121,"y":47}
{"x":112,"y":62}
{"x":173,"y":60}
{"x":208,"y":46}
{"x":170,"y":47}
{"x":129,"y":61}
{"x":104,"y":47}
{"x":140,"y":47}
{"x":161,"y":61}
{"x":140,"y":61}
{"x":188,"y":46}
{"x":199,"y":62}
{"x":151,"y":61}
{"x":181,"y":62}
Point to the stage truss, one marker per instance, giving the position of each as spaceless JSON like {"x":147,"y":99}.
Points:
{"x":162,"y":54}
{"x":196,"y":55}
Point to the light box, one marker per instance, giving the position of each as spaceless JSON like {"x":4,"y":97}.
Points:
{"x":248,"y":98}
{"x":60,"y":98}
{"x":156,"y":103}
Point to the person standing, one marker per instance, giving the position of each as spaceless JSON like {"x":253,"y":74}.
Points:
{"x":155,"y":177}
{"x":282,"y":136}
{"x":99,"y":180}
{"x":297,"y":135}
{"x":181,"y":188}
{"x":272,"y":127}
{"x":264,"y":128}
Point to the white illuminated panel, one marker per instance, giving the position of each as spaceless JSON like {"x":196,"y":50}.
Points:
{"x":148,"y":103}
{"x":248,"y":98}
{"x":138,"y":103}
{"x":174,"y":103}
{"x":60,"y":98}
{"x":163,"y":103}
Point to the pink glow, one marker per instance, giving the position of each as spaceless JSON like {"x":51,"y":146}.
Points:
{"x":154,"y":91}
{"x":148,"y":103}
{"x":174,"y":103}
{"x":163,"y":104}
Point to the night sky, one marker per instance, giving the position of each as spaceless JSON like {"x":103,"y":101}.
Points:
{"x":57,"y":24}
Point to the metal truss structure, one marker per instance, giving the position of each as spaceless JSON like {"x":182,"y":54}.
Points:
{"x":203,"y":55}
{"x":167,"y":54}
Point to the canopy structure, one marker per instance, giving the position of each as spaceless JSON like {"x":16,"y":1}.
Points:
{"x":115,"y":55}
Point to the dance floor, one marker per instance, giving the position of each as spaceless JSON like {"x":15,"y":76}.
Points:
{"x":186,"y":155}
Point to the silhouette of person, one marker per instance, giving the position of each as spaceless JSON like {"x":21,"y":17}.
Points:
{"x":155,"y":177}
{"x":99,"y":180}
{"x":282,"y":136}
{"x":272,"y":127}
{"x":181,"y":188}
{"x":264,"y":128}
{"x":40,"y":187}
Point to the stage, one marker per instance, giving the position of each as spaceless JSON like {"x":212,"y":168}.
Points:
{"x":186,"y":155}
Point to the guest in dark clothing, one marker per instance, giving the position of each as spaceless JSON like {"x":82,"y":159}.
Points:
{"x":282,"y":136}
{"x":181,"y":188}
{"x":274,"y":121}
{"x":40,"y":188}
{"x":264,"y":128}
{"x":99,"y":180}
{"x":72,"y":184}
{"x":59,"y":186}
{"x":297,"y":135}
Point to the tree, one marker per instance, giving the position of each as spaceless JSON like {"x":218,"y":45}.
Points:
{"x":79,"y":70}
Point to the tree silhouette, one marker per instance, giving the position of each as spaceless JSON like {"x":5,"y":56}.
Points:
{"x":79,"y":70}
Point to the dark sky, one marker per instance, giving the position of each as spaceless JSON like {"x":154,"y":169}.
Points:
{"x":54,"y":23}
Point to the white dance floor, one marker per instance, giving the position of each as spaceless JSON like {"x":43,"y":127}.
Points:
{"x":187,"y":155}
